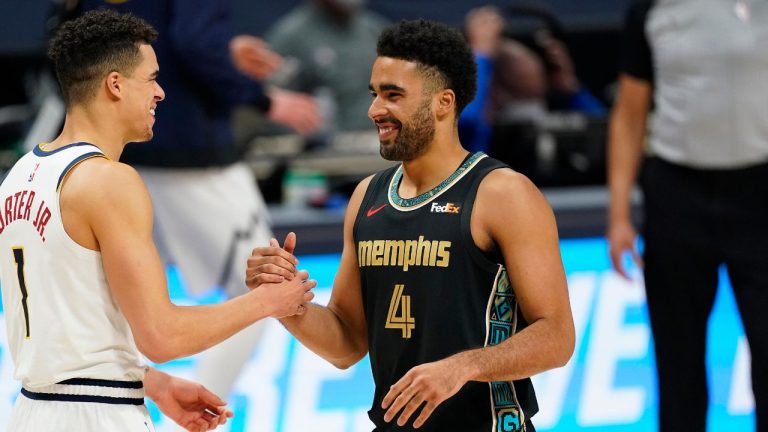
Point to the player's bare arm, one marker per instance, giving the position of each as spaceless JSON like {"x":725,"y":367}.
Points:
{"x":625,"y":151}
{"x":338,"y":332}
{"x":106,"y":207}
{"x":510,"y":215}
{"x":513,"y":215}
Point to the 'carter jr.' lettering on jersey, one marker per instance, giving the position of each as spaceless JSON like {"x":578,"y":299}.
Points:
{"x":404,"y":253}
{"x":18,"y":206}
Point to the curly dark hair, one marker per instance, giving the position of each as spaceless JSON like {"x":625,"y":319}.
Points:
{"x":87,"y":48}
{"x":443,"y":55}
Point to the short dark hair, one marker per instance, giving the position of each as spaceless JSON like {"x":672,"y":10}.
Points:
{"x":87,"y":48}
{"x":441,"y":51}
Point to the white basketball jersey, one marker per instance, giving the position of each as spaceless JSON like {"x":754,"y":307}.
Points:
{"x":61,"y":318}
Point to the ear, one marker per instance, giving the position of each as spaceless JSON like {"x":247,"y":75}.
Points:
{"x":446,"y":102}
{"x":114,"y":85}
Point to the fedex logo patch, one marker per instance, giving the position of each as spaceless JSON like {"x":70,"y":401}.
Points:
{"x":444,"y":208}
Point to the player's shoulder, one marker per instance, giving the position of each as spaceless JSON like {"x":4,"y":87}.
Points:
{"x":363,"y":185}
{"x":103,"y":178}
{"x":510,"y":192}
{"x":507,"y":181}
{"x":102,"y":169}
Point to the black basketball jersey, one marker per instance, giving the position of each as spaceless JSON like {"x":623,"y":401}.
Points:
{"x":429,"y":292}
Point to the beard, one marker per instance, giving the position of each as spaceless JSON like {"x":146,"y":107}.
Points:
{"x":413,"y":137}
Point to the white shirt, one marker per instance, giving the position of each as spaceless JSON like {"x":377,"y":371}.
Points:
{"x":68,"y":325}
{"x":711,"y":82}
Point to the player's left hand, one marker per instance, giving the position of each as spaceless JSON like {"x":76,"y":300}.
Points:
{"x":272,"y":264}
{"x":429,"y":384}
{"x":187,"y":403}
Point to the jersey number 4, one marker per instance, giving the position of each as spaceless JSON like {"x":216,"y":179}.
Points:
{"x":399,"y":315}
{"x":18,"y":255}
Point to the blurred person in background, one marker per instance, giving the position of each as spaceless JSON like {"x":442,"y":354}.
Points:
{"x":523,"y":79}
{"x":329,"y":46}
{"x":700,"y":65}
{"x":208,"y":209}
{"x":483,"y":28}
{"x":517,"y":84}
{"x":537,"y":71}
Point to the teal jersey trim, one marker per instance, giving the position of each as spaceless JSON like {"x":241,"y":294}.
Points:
{"x":394,"y":185}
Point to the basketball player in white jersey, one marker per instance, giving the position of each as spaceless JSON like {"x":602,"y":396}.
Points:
{"x":84,"y":290}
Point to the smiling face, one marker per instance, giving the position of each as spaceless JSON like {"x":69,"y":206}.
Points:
{"x":401,"y":109}
{"x":142,"y":94}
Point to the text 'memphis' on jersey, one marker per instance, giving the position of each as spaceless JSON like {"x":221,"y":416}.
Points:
{"x":404,"y":253}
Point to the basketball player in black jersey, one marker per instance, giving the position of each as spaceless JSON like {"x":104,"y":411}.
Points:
{"x":450,"y":276}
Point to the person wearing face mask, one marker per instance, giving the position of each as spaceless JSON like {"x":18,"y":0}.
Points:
{"x":329,"y":46}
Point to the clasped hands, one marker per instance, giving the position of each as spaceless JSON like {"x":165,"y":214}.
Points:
{"x":274,"y":264}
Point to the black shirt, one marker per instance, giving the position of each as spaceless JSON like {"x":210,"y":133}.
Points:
{"x":429,"y":292}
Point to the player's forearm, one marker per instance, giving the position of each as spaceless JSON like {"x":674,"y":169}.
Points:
{"x":325,"y":334}
{"x":181,"y":331}
{"x":625,"y":150}
{"x":543,"y":345}
{"x":626,"y":136}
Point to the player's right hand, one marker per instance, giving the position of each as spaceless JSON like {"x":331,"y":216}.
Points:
{"x":288,"y":297}
{"x":272,"y":263}
{"x":621,"y":239}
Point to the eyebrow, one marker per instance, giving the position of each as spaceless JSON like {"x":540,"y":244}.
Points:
{"x":154,"y":74}
{"x":385,"y":87}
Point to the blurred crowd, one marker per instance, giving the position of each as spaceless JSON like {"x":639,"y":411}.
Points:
{"x":232,"y":99}
{"x":306,"y":75}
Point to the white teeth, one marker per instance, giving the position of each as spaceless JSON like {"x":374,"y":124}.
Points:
{"x":152,"y":111}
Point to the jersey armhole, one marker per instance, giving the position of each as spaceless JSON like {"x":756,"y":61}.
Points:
{"x":488,"y":260}
{"x":72,"y":165}
{"x":370,"y":193}
{"x":74,"y":245}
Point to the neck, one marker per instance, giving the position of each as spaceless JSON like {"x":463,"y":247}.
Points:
{"x":83,"y":125}
{"x":443,"y":156}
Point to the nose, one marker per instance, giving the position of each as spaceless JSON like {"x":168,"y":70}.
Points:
{"x":159,"y":92}
{"x":376,"y":109}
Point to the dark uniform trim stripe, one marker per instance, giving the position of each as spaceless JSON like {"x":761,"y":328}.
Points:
{"x":82,"y":398}
{"x":486,"y":260}
{"x":38,"y":151}
{"x":75,"y":162}
{"x":104,"y":383}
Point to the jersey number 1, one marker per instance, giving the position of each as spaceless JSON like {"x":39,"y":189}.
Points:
{"x":18,"y":255}
{"x":399,"y":316}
